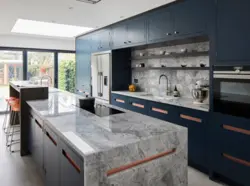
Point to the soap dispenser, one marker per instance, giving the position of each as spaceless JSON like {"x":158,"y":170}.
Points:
{"x":176,"y":92}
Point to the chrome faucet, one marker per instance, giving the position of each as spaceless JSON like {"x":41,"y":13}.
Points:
{"x":168,"y":91}
{"x":48,"y":77}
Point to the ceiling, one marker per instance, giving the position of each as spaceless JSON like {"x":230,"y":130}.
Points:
{"x":72,"y":12}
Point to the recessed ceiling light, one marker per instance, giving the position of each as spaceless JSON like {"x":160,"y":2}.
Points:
{"x":47,"y":29}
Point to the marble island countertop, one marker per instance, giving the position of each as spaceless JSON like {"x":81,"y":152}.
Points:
{"x":179,"y":101}
{"x":107,"y":143}
{"x":100,"y":133}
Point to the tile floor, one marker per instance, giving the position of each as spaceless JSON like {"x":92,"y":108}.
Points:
{"x":21,"y":171}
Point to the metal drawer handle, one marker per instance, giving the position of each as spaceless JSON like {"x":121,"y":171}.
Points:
{"x":71,"y":161}
{"x":235,"y":129}
{"x":183,"y":116}
{"x":51,"y":139}
{"x":139,"y":162}
{"x":237,"y":160}
{"x":159,"y":110}
{"x":120,"y":100}
{"x":138,"y":105}
{"x":39,"y":125}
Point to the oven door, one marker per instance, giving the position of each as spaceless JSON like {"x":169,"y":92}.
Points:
{"x":231,"y":92}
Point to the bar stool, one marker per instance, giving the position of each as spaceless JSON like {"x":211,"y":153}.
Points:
{"x":8,"y":100}
{"x":15,"y":112}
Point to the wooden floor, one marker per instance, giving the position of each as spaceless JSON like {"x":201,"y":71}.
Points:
{"x":21,"y":171}
{"x":14,"y":169}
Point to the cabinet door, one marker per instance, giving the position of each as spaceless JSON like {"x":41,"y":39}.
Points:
{"x":233,"y":31}
{"x":136,"y":31}
{"x":119,"y":35}
{"x":196,"y":121}
{"x":104,"y":40}
{"x":71,"y":172}
{"x":51,"y":158}
{"x":160,"y":26}
{"x":190,"y":17}
{"x":37,"y":147}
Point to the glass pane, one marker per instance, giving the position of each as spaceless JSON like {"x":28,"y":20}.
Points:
{"x":41,"y":68}
{"x":11,"y":69}
{"x":66,"y":71}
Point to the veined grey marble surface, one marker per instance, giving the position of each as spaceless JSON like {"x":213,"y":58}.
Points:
{"x":113,"y":141}
{"x":178,"y":101}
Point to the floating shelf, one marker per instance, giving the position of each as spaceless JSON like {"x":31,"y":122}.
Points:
{"x":187,"y":54}
{"x":170,"y":68}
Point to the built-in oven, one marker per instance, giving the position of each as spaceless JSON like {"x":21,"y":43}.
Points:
{"x":231,"y":90}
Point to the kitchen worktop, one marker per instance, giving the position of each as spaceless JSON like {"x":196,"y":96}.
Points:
{"x":112,"y":141}
{"x":178,"y":101}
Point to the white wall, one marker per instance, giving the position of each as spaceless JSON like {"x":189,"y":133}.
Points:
{"x":36,"y":42}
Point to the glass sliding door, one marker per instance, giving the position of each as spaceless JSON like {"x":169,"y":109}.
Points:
{"x":66,"y":71}
{"x":11,"y":69}
{"x":41,"y":64}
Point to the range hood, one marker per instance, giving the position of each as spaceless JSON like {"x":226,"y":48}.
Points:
{"x":89,"y":1}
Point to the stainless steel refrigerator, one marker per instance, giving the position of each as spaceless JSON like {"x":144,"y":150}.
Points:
{"x":101,"y":75}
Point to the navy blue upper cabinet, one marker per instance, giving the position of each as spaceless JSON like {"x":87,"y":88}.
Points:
{"x":233,"y":31}
{"x":100,"y":40}
{"x":119,"y":35}
{"x":160,"y":26}
{"x":136,"y":31}
{"x":189,"y":17}
{"x":128,"y":33}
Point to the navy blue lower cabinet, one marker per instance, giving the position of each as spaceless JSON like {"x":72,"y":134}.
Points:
{"x":229,"y":138}
{"x":138,"y":105}
{"x":119,"y":100}
{"x":163,"y":111}
{"x":196,"y":122}
{"x":71,"y":167}
{"x":51,"y":158}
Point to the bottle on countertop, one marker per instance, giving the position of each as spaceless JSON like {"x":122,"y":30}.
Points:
{"x":176,"y":92}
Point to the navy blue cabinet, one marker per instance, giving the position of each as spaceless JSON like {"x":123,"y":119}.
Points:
{"x":160,"y":26}
{"x":196,"y":122}
{"x":233,"y":31}
{"x":51,"y":158}
{"x":163,"y":111}
{"x":138,"y":105}
{"x":228,"y":137}
{"x":71,"y":167}
{"x":190,"y":17}
{"x":83,"y":62}
{"x":129,"y":33}
{"x":100,"y":40}
{"x":119,"y":35}
{"x":119,"y":100}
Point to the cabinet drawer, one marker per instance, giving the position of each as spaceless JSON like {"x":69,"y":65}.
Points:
{"x":163,"y":111}
{"x":138,"y":105}
{"x":119,"y":100}
{"x":231,"y":135}
{"x":191,"y":117}
{"x":232,"y":167}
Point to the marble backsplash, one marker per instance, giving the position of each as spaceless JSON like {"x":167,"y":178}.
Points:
{"x":184,"y":80}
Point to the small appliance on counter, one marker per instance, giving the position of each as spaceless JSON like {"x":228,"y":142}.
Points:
{"x":201,"y":91}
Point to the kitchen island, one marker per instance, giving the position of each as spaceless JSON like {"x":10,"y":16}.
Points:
{"x":122,"y":149}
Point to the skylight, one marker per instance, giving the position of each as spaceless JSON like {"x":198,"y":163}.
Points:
{"x":47,"y":29}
